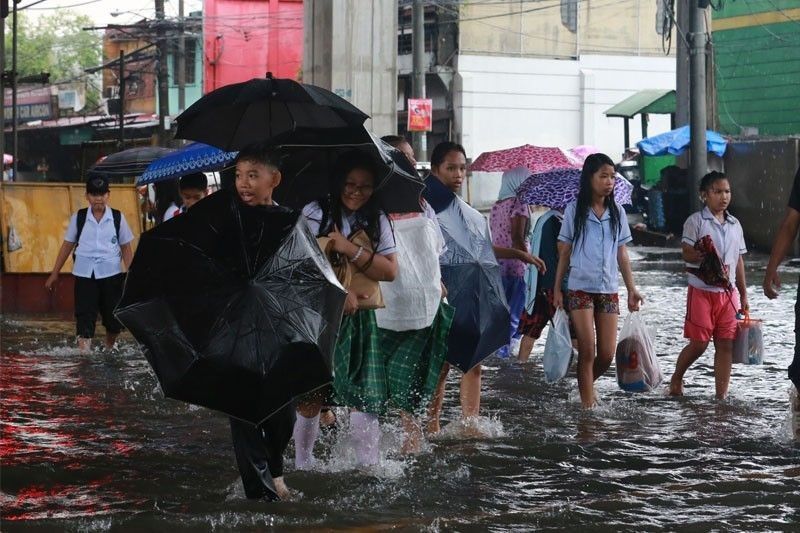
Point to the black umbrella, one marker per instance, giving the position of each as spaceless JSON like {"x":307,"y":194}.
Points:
{"x":236,"y":308}
{"x":471,"y":275}
{"x":307,"y":170}
{"x":127,"y":163}
{"x":271,"y":110}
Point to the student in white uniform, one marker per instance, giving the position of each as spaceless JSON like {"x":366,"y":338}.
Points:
{"x":99,"y":237}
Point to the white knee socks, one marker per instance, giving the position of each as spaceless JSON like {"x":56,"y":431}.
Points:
{"x":366,"y":433}
{"x":305,"y":435}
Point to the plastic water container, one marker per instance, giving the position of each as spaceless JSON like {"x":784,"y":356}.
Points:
{"x":748,"y":348}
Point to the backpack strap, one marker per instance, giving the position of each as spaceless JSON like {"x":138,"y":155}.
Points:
{"x":117,"y":215}
{"x":79,"y":223}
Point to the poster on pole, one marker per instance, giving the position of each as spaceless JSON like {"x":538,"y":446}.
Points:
{"x":420,"y":114}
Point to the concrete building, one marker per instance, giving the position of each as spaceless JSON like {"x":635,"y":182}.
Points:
{"x":351,"y":49}
{"x":508,"y":73}
{"x":245,"y":39}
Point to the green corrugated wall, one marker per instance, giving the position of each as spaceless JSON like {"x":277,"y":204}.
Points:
{"x":757,"y":66}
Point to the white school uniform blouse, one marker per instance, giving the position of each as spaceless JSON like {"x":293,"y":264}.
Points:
{"x":98,"y":251}
{"x":728,"y":240}
{"x":386,"y":245}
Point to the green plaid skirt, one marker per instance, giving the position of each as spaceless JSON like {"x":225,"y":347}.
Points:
{"x":375,"y":369}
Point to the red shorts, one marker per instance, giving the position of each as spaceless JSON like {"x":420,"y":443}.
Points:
{"x":710,"y":315}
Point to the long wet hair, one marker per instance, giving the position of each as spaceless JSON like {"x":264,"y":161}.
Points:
{"x":591,"y":165}
{"x":166,"y":194}
{"x":368,"y":216}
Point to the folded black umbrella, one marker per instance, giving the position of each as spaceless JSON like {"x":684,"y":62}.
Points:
{"x":127,"y":163}
{"x":471,"y":274}
{"x":307,"y":171}
{"x":271,"y":110}
{"x":235,"y":306}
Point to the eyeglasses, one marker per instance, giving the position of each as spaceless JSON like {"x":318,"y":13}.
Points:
{"x":352,"y":188}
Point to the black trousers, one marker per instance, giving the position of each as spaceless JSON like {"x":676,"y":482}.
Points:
{"x":259,"y":451}
{"x":794,"y":368}
{"x":97,"y":295}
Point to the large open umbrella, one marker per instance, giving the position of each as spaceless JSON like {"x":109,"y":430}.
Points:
{"x":271,"y":110}
{"x":307,"y":173}
{"x":471,"y":275}
{"x":557,"y":188}
{"x":194,"y":157}
{"x":676,"y":141}
{"x":534,"y":158}
{"x":127,"y":163}
{"x":235,"y":306}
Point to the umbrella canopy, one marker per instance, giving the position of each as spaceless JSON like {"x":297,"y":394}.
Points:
{"x":271,"y":110}
{"x":535,"y":158}
{"x":130,"y":162}
{"x":557,"y":188}
{"x":471,"y":275}
{"x":194,"y":157}
{"x":307,"y":171}
{"x":676,"y":141}
{"x":235,"y":306}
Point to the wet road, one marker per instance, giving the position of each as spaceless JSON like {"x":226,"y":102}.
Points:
{"x":89,"y":443}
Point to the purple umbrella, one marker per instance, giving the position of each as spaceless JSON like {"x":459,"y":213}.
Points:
{"x":557,"y":188}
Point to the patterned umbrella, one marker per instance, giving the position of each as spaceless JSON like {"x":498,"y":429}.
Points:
{"x":194,"y":157}
{"x":537,"y":159}
{"x":557,"y":188}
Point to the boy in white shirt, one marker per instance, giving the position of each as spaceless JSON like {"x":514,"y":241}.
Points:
{"x":99,"y":236}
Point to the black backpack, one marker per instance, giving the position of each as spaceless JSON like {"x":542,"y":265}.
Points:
{"x":81,"y":221}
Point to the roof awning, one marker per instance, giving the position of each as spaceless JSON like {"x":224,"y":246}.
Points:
{"x":652,"y":101}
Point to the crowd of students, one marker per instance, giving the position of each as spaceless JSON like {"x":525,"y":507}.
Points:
{"x":392,"y":352}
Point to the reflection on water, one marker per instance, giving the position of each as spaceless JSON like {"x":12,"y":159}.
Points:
{"x":88,"y":442}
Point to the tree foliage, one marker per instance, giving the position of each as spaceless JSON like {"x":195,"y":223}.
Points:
{"x":56,"y":43}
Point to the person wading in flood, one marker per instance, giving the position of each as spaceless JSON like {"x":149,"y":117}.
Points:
{"x":592,"y":249}
{"x":787,"y":233}
{"x":449,"y":167}
{"x":99,"y":236}
{"x":711,"y":309}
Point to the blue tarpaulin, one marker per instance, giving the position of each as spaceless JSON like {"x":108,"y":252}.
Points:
{"x":676,"y":141}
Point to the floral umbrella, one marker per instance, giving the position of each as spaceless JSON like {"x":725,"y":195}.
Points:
{"x":557,"y":188}
{"x":537,"y":159}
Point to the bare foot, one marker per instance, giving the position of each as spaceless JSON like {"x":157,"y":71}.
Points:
{"x":327,"y":418}
{"x":284,"y":492}
{"x":675,"y":387}
{"x":84,"y":345}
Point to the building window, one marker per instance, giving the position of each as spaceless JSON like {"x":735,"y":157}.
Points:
{"x":191,"y":56}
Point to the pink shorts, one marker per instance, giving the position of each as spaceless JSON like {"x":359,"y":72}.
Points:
{"x":710,"y":314}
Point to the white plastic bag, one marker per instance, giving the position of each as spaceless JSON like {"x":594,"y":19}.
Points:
{"x":557,"y":349}
{"x":638,"y":369}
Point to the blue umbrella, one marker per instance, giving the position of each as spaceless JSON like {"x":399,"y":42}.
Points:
{"x":676,"y":141}
{"x":194,"y":157}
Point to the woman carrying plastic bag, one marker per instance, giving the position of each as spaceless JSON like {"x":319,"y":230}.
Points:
{"x":638,"y":369}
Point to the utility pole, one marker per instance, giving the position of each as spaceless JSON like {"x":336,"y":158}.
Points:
{"x":14,"y":77}
{"x":163,"y":92}
{"x":181,"y":74}
{"x":697,"y":88}
{"x":420,"y":140}
{"x":121,"y":100}
{"x":682,"y":63}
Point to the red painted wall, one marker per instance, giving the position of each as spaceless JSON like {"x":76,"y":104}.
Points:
{"x":245,"y":39}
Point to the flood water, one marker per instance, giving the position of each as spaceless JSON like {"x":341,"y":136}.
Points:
{"x":89,"y":443}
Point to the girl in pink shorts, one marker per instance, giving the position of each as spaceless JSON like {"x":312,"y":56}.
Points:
{"x":710,"y":308}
